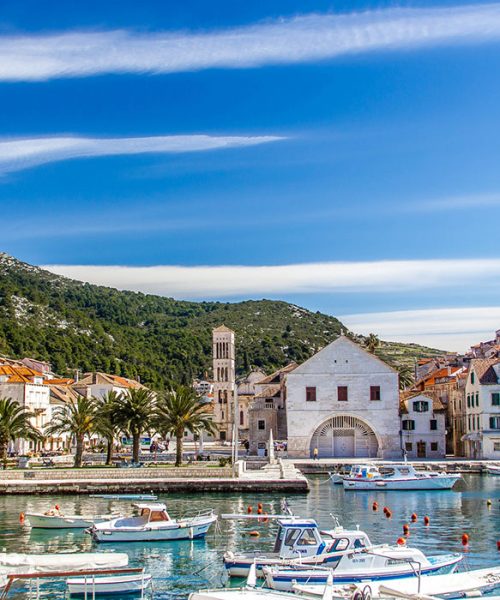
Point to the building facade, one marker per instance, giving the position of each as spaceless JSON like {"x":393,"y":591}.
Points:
{"x":423,"y":427}
{"x":224,"y":378}
{"x":343,"y":401}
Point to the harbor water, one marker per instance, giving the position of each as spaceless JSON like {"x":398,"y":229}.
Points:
{"x":181,"y":567}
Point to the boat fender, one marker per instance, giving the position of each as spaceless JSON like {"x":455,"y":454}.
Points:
{"x":21,"y":518}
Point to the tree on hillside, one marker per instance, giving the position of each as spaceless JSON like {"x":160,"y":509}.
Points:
{"x":77,"y":418}
{"x":14,"y":424}
{"x":406,"y":377}
{"x":134,"y":411}
{"x":372,"y":342}
{"x":180,"y":410}
{"x":107,"y":421}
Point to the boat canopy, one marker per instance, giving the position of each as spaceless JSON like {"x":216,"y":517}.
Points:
{"x":150,"y":506}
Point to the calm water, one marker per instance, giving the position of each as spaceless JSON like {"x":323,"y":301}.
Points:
{"x":181,"y":567}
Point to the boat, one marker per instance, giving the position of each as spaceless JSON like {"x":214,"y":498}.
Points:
{"x":57,"y":520}
{"x":401,"y":477}
{"x":152,"y":524}
{"x":382,"y":563}
{"x":14,"y":562}
{"x":131,"y":497}
{"x":300,"y":542}
{"x":493,"y":470}
{"x":108,"y":585}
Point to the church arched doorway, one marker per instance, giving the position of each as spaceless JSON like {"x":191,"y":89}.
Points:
{"x":344,"y":436}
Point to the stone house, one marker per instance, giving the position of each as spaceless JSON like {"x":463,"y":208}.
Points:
{"x":423,"y":427}
{"x":344,"y":401}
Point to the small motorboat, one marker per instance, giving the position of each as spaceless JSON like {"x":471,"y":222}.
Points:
{"x":55,"y":519}
{"x":493,"y":470}
{"x":400,"y":477}
{"x":153,"y":524}
{"x":131,"y":497}
{"x":89,"y":586}
{"x":67,"y":561}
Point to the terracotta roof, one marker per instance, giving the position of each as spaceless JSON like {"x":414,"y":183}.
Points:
{"x":106,"y":378}
{"x":18,"y":374}
{"x":269,"y":392}
{"x":275,"y":377}
{"x":430,"y":379}
{"x":483,"y":368}
{"x":61,"y":381}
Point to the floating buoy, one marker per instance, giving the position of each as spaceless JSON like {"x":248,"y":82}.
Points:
{"x":259,"y":511}
{"x":56,"y":506}
{"x":249,"y":510}
{"x":406,"y":529}
{"x":488,"y":502}
{"x":401,"y":541}
{"x":386,"y":510}
{"x":465,"y":539}
{"x":388,"y":514}
{"x":375,"y":506}
{"x":21,"y":518}
{"x":265,"y":519}
{"x":254,"y":533}
{"x":259,"y":505}
{"x":427,"y":521}
{"x":414,"y":517}
{"x":498,"y":545}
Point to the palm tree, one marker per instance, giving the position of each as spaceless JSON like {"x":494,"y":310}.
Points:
{"x":179,"y":410}
{"x":406,"y":377}
{"x":372,"y":342}
{"x":134,"y":411}
{"x":14,"y":424}
{"x":106,"y":423}
{"x":77,"y":418}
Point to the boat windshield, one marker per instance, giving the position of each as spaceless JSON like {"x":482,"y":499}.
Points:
{"x":154,"y":515}
{"x":307,"y":538}
{"x":279,"y":539}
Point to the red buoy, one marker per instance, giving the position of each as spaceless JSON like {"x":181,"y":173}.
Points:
{"x":259,"y":505}
{"x":406,"y":529}
{"x":498,"y":545}
{"x":465,"y":539}
{"x":427,"y":521}
{"x":388,"y":514}
{"x":375,"y":506}
{"x":259,"y":511}
{"x":249,"y":510}
{"x":386,"y":509}
{"x":414,"y":517}
{"x":401,"y":541}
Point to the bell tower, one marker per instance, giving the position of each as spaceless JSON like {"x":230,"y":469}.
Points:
{"x":223,"y":353}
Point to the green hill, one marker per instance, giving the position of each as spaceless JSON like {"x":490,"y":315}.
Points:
{"x":78,"y":325}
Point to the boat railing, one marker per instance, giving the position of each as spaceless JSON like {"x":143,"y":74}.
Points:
{"x":91,"y":573}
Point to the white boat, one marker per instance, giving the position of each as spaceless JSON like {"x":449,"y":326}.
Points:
{"x":108,"y":585}
{"x":46,"y":563}
{"x":125,"y":496}
{"x":493,"y":469}
{"x":300,"y":542}
{"x":57,"y":520}
{"x":398,"y":477}
{"x":153,"y":524}
{"x":377,"y":564}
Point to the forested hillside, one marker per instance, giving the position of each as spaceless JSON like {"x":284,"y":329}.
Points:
{"x":78,"y":325}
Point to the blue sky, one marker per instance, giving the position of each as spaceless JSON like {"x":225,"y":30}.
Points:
{"x":340,"y":155}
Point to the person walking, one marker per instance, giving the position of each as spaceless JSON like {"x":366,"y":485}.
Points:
{"x":315,"y":454}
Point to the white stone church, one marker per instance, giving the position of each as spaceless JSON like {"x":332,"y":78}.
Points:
{"x":344,"y":401}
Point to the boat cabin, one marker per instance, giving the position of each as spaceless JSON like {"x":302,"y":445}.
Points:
{"x":302,"y":537}
{"x":152,"y":513}
{"x":364,"y":472}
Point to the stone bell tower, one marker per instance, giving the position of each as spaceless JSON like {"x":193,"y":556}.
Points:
{"x":223,"y":353}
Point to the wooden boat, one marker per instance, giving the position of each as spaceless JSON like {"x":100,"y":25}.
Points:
{"x":57,"y":520}
{"x":400,"y":477}
{"x":108,"y":585}
{"x":153,"y":524}
{"x":132,"y":497}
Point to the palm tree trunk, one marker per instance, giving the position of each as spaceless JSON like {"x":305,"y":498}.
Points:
{"x":136,"y":438}
{"x":3,"y":455}
{"x":178,"y":448}
{"x":109,"y":452}
{"x":79,"y":451}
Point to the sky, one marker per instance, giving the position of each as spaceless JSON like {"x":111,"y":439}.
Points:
{"x":338,"y":154}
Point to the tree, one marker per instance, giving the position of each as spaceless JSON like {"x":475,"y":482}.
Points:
{"x":372,"y":342}
{"x":180,"y":410}
{"x":134,"y":411}
{"x":107,"y":421}
{"x":77,"y":418}
{"x":406,"y":377}
{"x":14,"y":424}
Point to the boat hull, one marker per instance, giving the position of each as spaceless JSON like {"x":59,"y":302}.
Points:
{"x":418,"y":483}
{"x":107,"y":586}
{"x":39,"y":521}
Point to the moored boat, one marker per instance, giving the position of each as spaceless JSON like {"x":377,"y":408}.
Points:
{"x":493,"y":469}
{"x":400,"y":477}
{"x":108,"y":585}
{"x":153,"y":524}
{"x":61,"y":521}
{"x":138,"y":497}
{"x":44,"y":563}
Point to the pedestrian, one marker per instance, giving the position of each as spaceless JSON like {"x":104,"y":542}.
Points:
{"x":315,"y":454}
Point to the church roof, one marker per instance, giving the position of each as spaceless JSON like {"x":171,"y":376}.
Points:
{"x":222,"y":329}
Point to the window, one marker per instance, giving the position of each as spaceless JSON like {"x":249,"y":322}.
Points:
{"x":408,"y":425}
{"x":420,"y":406}
{"x":339,"y":545}
{"x":494,"y":422}
{"x":310,"y":394}
{"x":433,"y":424}
{"x":408,"y":446}
{"x":374,"y":392}
{"x":434,"y":447}
{"x":242,"y":418}
{"x":495,"y":399}
{"x":472,"y":378}
{"x":496,"y":446}
{"x":291,"y":537}
{"x":468,"y":400}
{"x":477,"y":398}
{"x":261,"y":424}
{"x":222,"y":435}
{"x":307,"y":538}
{"x":342,"y":393}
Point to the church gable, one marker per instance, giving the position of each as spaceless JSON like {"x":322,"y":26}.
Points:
{"x":342,"y":356}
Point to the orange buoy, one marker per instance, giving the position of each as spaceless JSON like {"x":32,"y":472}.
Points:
{"x":388,"y":514}
{"x":265,"y":519}
{"x":375,"y":506}
{"x":414,"y":517}
{"x":465,"y":539}
{"x":386,"y":509}
{"x":254,"y":533}
{"x":406,"y":529}
{"x":249,"y":510}
{"x":427,"y":521}
{"x":498,"y":545}
{"x":259,"y":505}
{"x":21,"y":518}
{"x":259,"y":511}
{"x":401,"y":541}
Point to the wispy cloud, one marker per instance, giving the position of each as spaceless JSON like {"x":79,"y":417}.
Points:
{"x":447,"y":328}
{"x":294,"y":40}
{"x":17,"y":154}
{"x":308,"y":278}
